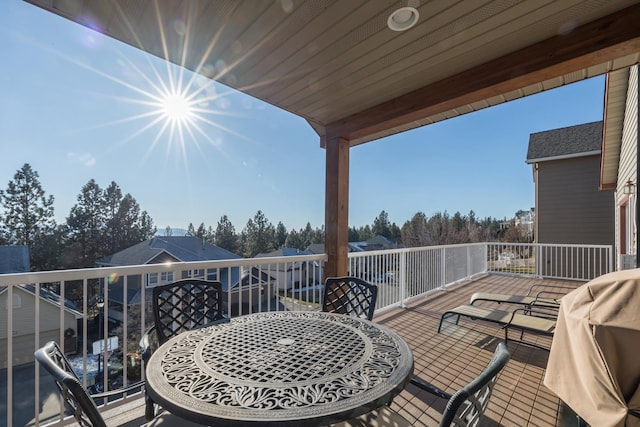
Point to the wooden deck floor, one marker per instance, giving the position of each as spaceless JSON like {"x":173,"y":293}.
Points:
{"x":453,"y":357}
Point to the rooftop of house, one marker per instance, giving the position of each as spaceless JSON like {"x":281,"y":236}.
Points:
{"x":572,"y":141}
{"x":180,"y":248}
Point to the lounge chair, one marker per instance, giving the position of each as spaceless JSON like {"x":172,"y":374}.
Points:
{"x":546,"y":296}
{"x":523,"y":319}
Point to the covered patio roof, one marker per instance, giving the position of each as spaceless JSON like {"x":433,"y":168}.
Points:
{"x":339,"y":65}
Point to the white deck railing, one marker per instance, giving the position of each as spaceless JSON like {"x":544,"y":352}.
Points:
{"x":258,"y":284}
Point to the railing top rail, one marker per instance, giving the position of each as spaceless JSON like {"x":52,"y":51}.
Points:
{"x":563,"y":245}
{"x":99,"y":272}
{"x":401,"y":250}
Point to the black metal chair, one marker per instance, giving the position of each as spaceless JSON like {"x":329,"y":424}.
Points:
{"x":77,"y":400}
{"x":466,"y":407}
{"x":349,"y":295}
{"x":178,"y":307}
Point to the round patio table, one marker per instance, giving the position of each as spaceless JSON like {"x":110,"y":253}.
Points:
{"x":280,"y":368}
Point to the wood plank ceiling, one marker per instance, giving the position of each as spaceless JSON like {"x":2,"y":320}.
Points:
{"x":337,"y":64}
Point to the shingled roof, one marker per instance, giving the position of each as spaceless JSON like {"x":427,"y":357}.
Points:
{"x":180,"y":248}
{"x":573,"y":141}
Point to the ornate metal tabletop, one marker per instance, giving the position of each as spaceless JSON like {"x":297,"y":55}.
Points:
{"x":280,"y":368}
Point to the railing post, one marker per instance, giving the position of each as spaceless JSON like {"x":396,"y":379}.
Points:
{"x":443,"y":267}
{"x":403,"y":278}
{"x":485,"y":268}
{"x":468,"y":262}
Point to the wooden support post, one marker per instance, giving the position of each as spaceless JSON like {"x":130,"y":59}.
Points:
{"x":337,"y":207}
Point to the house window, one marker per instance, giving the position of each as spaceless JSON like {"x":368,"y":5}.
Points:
{"x":155,"y":279}
{"x":212,"y":274}
{"x":196,"y":274}
{"x":17,"y":302}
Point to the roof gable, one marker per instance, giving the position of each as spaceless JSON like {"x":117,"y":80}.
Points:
{"x":572,"y":141}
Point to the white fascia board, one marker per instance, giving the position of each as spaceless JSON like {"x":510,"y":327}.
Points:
{"x":565,"y":156}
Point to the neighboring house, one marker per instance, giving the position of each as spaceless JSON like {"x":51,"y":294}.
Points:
{"x":164,"y":249}
{"x":318,"y":248}
{"x":379,"y":243}
{"x":15,"y":259}
{"x":569,"y":204}
{"x":293,"y":274}
{"x":619,"y":168}
{"x":525,"y":221}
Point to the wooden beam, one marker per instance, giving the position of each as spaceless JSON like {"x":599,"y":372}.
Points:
{"x":337,"y":208}
{"x":594,"y":43}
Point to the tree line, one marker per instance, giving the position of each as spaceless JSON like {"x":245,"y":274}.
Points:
{"x":105,"y":221}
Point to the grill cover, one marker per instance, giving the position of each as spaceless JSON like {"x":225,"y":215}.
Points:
{"x":594,"y":363}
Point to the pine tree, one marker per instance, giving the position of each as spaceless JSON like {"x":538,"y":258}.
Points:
{"x":28,"y":213}
{"x":225,"y":235}
{"x":259,"y":235}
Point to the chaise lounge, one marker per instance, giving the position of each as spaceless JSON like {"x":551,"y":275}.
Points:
{"x":541,"y":295}
{"x":530,"y":320}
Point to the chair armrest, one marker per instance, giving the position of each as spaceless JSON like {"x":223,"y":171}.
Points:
{"x":118,"y":391}
{"x":540,"y":285}
{"x":145,"y":344}
{"x":532,"y":310}
{"x":423,"y":385}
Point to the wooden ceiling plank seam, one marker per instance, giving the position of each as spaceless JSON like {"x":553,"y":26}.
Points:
{"x":394,"y":76}
{"x":614,"y":35}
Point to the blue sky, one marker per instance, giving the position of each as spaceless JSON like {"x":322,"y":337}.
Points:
{"x":75,"y":105}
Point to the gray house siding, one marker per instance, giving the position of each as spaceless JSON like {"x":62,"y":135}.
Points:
{"x":571,"y":209}
{"x":625,"y":231}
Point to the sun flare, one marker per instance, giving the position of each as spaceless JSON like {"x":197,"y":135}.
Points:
{"x":177,"y":108}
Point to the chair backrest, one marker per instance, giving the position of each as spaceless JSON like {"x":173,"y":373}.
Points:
{"x":466,"y":407}
{"x":185,"y":305}
{"x":349,"y":295}
{"x":75,"y":396}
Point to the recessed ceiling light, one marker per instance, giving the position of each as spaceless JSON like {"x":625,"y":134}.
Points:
{"x":402,"y":19}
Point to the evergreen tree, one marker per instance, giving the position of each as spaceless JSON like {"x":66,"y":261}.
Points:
{"x":354,"y":236}
{"x":28,"y":214}
{"x":201,"y":232}
{"x":280,"y":236}
{"x":294,"y":240}
{"x":414,"y":232}
{"x":381,"y":225}
{"x":86,"y":226}
{"x":260,"y":235}
{"x":191,"y":231}
{"x":104,"y":222}
{"x":225,"y":235}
